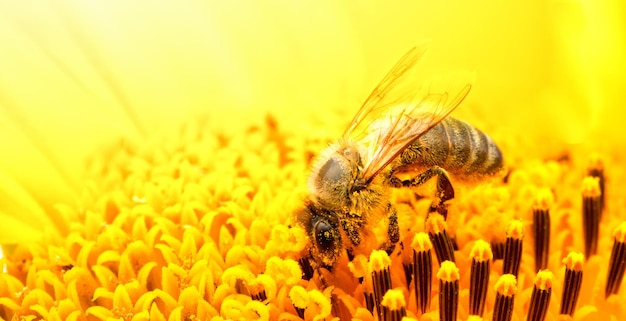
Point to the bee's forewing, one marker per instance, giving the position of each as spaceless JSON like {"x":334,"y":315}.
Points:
{"x":401,"y":108}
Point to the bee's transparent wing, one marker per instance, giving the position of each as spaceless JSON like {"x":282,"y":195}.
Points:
{"x":400,"y":109}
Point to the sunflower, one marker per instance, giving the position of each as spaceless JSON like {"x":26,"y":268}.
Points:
{"x":154,"y":155}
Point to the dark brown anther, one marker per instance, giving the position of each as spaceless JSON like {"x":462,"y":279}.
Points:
{"x":506,"y":288}
{"x":498,"y":250}
{"x":596,"y":169}
{"x":381,"y":277}
{"x":592,"y":210}
{"x":513,"y":248}
{"x":481,"y":257}
{"x":370,"y":302}
{"x":393,"y":305}
{"x":259,"y":296}
{"x":406,"y":253}
{"x":617,"y":262}
{"x":436,"y":227}
{"x":540,"y":298}
{"x":448,"y":276}
{"x":422,"y":271}
{"x":541,"y":228}
{"x":572,"y":282}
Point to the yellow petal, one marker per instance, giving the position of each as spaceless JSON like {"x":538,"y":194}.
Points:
{"x":83,"y":257}
{"x":106,"y":278}
{"x":145,"y":275}
{"x":206,"y":310}
{"x":167,"y":253}
{"x":102,"y":293}
{"x":46,"y":278}
{"x":144,"y":302}
{"x":122,"y":304}
{"x":9,"y":304}
{"x":233,"y":309}
{"x":169,"y":302}
{"x":222,"y":292}
{"x":256,"y":310}
{"x":172,"y":242}
{"x":100,"y":313}
{"x":126,"y":269}
{"x":9,"y":285}
{"x":37,"y":297}
{"x":66,"y":308}
{"x":134,"y":290}
{"x":177,"y":314}
{"x":188,"y":248}
{"x":155,"y":314}
{"x":40,"y":310}
{"x":141,"y":316}
{"x":110,"y":256}
{"x":80,"y":287}
{"x":189,"y":299}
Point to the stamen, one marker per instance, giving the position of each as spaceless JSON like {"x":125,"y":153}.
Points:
{"x":572,"y":282}
{"x":436,"y":227}
{"x":259,"y":296}
{"x":596,"y":169}
{"x":513,"y":248}
{"x":540,"y":298}
{"x":407,"y":263}
{"x":359,"y":267}
{"x":506,"y":287}
{"x":299,"y":298}
{"x":381,"y":276}
{"x":368,"y":293}
{"x":422,"y":271}
{"x":592,"y":210}
{"x":481,"y":257}
{"x":498,"y":250}
{"x":541,"y":227}
{"x":617,"y":262}
{"x":408,"y":270}
{"x":256,"y":287}
{"x":448,"y":276}
{"x":393,"y":305}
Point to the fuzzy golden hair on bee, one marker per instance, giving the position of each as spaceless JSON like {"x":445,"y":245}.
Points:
{"x":334,"y":173}
{"x":331,"y":177}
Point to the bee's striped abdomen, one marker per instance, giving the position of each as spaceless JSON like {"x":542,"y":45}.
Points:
{"x":457,"y":147}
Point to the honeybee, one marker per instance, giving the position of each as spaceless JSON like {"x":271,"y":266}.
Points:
{"x":395,"y":132}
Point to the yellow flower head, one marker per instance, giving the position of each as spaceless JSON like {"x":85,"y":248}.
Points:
{"x":155,"y":155}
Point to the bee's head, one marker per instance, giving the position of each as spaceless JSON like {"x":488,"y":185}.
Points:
{"x":322,"y":227}
{"x":334,"y":175}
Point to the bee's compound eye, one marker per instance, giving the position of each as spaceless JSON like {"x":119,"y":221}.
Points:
{"x":326,"y":236}
{"x":331,"y":171}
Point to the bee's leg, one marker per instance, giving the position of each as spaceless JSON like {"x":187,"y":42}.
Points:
{"x":309,"y":266}
{"x":393,"y":231}
{"x":306,"y":267}
{"x":351,"y":225}
{"x":445,"y":191}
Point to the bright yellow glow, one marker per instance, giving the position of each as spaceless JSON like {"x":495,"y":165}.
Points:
{"x":153,"y":152}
